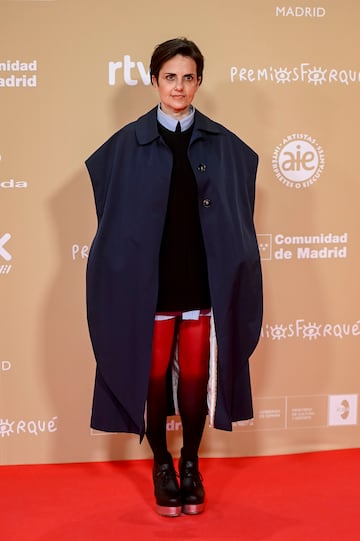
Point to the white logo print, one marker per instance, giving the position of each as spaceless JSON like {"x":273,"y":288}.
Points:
{"x":343,"y":410}
{"x":3,"y":252}
{"x":298,"y":161}
{"x":128,"y":71}
{"x":300,"y":11}
{"x":33,"y":426}
{"x":11,"y":184}
{"x":6,"y":428}
{"x":303,"y":73}
{"x":16,"y":74}
{"x":282,"y":247}
{"x":311,"y":330}
{"x":5,"y":366}
{"x":265,"y":245}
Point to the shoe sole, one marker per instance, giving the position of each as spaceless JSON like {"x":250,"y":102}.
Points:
{"x":193,"y":509}
{"x":168,"y":511}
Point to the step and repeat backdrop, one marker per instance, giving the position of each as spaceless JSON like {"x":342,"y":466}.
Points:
{"x":285,"y":76}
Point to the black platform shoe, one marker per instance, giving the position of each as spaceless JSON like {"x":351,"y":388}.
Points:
{"x":166,"y":490}
{"x":191,"y":487}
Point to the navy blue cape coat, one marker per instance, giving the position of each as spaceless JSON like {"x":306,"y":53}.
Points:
{"x":130,"y":175}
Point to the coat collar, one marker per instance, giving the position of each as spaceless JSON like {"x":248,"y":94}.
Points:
{"x":147,"y":131}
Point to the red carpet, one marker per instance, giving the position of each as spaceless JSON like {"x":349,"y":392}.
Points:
{"x":284,"y":498}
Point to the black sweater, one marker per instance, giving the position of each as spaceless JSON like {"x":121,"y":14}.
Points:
{"x":183,"y":276}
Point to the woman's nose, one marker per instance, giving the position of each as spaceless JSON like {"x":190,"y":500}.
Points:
{"x":178,"y":82}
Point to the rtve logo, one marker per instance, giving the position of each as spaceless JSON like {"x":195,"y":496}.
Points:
{"x":128,"y":71}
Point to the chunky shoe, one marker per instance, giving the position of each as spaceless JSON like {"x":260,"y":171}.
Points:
{"x":191,"y":487}
{"x":166,"y":490}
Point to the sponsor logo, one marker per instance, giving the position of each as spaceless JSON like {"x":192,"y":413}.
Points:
{"x":302,"y":414}
{"x":265,"y":246}
{"x":299,"y":11}
{"x":5,"y":268}
{"x":298,"y":161}
{"x":302,"y":73}
{"x":343,"y":410}
{"x":306,"y":411}
{"x":287,"y":413}
{"x":128,"y":71}
{"x":269,"y":413}
{"x":79,"y":251}
{"x":173,"y":425}
{"x":297,"y":412}
{"x":309,"y":330}
{"x":15,"y":74}
{"x":32,"y":426}
{"x":3,"y":251}
{"x":11,"y":184}
{"x":5,"y":366}
{"x":283,"y":247}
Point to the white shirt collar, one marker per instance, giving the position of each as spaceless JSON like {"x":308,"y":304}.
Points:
{"x":170,"y":122}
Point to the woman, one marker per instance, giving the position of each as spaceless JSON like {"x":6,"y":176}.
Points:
{"x":174,"y":260}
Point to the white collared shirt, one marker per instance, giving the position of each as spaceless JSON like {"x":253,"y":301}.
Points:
{"x":170,"y":123}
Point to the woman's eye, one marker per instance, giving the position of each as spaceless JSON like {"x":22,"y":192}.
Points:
{"x":189,"y":77}
{"x":170,"y":77}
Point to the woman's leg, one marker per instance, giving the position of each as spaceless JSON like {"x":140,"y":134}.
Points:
{"x":163,"y":339}
{"x":166,"y":486}
{"x":192,"y":396}
{"x":194,"y":350}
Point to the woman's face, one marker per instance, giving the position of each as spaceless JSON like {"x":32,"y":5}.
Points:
{"x":177,"y":85}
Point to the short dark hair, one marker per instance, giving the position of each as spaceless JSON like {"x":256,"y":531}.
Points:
{"x":170,"y":48}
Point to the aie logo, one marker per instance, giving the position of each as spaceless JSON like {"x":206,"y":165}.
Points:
{"x":298,"y":161}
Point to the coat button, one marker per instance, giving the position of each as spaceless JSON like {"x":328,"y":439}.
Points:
{"x":207,"y":203}
{"x":201,"y":167}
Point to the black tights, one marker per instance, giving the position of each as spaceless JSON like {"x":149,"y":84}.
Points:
{"x":193,"y":353}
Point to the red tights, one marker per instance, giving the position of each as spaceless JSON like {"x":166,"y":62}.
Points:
{"x":193,"y":353}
